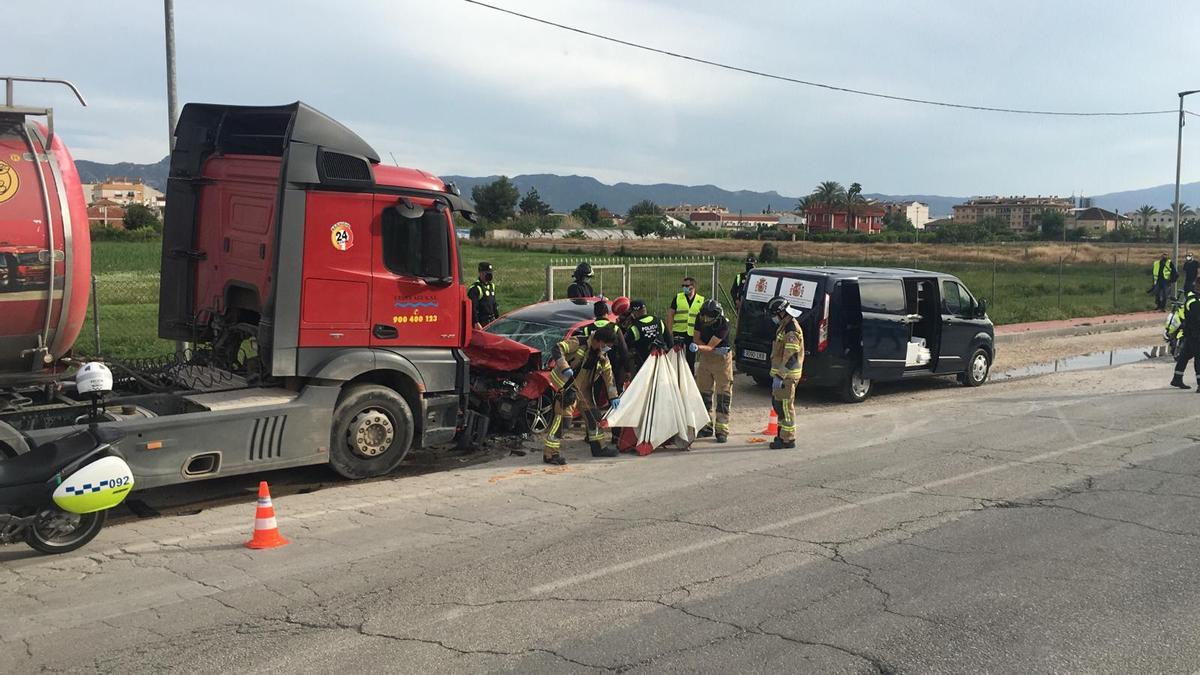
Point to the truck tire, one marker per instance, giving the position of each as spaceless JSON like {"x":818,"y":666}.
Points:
{"x":372,"y":431}
{"x":855,"y":388}
{"x":978,"y":367}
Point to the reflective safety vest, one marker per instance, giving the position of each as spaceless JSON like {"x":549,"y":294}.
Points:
{"x":483,"y":301}
{"x":592,"y":327}
{"x":787,"y":352}
{"x":685,"y":316}
{"x":1163,"y":270}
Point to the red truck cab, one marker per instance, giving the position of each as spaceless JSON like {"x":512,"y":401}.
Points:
{"x":291,"y":256}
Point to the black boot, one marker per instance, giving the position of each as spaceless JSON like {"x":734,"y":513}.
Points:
{"x":601,"y":451}
{"x":1177,"y":381}
{"x":722,"y":438}
{"x":705,"y":432}
{"x":780,"y":444}
{"x":556,"y":459}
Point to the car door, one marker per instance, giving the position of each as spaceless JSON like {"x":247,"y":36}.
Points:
{"x":958,"y":327}
{"x":885,"y":328}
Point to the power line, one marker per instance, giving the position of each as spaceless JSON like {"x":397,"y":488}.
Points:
{"x":809,"y":83}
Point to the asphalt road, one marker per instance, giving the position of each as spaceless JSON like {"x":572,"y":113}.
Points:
{"x":1048,"y":524}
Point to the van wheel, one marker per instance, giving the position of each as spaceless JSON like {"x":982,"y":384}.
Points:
{"x":977,"y":369}
{"x":762,"y":380}
{"x":856,"y":388}
{"x":372,"y":431}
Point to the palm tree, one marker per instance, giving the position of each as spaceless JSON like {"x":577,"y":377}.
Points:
{"x":853,"y":202}
{"x":1144,"y":212}
{"x":828,"y":192}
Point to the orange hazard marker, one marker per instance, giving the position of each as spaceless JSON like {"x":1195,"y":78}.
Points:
{"x":266,"y":530}
{"x":772,"y":424}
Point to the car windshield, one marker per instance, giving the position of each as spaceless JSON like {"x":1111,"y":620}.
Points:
{"x":540,"y":336}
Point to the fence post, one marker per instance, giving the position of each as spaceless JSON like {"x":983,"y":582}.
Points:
{"x":95,"y":315}
{"x":550,"y":281}
{"x":1114,"y":282}
{"x":1060,"y":270}
{"x":993,"y":281}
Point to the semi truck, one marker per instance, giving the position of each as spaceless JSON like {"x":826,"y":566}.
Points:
{"x":315,"y":295}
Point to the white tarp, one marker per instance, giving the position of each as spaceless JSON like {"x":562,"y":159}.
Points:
{"x":662,"y":402}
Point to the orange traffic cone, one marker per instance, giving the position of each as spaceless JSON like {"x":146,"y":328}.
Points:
{"x":772,"y":424}
{"x":266,"y":530}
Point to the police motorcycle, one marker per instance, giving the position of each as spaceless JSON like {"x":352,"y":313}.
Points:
{"x":55,"y":496}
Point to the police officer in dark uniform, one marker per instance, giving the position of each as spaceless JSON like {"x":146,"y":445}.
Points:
{"x":739,"y":282}
{"x":482,"y":295}
{"x":582,"y":286}
{"x":643,"y":332}
{"x":1190,"y":348}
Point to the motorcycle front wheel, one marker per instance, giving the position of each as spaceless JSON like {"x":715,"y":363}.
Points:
{"x":57,"y":531}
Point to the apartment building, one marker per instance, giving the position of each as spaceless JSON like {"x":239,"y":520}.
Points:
{"x":1022,"y":213}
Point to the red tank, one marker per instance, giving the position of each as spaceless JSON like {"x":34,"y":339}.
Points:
{"x":45,"y":248}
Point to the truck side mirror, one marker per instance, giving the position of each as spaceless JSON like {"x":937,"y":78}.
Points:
{"x":436,"y":248}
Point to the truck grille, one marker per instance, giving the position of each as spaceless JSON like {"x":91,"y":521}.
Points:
{"x":338,"y":166}
{"x":266,"y":439}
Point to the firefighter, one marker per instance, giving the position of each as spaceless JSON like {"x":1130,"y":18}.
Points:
{"x":643,"y":333}
{"x":1189,"y":341}
{"x":787,"y":365}
{"x":579,"y":364}
{"x":739,"y":283}
{"x":714,"y":367}
{"x":681,"y":316}
{"x":619,"y":357}
{"x":482,"y":295}
{"x":581,"y":287}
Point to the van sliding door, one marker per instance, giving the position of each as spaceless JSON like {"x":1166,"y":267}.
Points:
{"x":885,"y":328}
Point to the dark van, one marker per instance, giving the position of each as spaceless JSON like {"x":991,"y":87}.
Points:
{"x":864,"y":325}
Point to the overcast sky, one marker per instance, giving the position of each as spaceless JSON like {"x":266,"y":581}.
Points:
{"x":453,"y":88}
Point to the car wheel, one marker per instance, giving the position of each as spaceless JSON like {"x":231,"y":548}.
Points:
{"x":372,"y":431}
{"x":539,"y":414}
{"x":978,"y":368}
{"x":856,"y":388}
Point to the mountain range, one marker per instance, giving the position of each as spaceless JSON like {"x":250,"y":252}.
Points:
{"x":564,"y":193}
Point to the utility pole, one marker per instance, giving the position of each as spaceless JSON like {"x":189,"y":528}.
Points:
{"x":1178,"y":168}
{"x":172,"y":99}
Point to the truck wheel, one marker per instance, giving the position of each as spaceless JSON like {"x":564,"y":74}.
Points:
{"x":977,"y":369}
{"x":856,"y":388}
{"x":57,"y":531}
{"x":372,"y":431}
{"x":762,"y":380}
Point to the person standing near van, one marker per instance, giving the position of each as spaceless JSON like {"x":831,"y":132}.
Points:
{"x":1190,"y":268}
{"x":1189,"y":350}
{"x":714,"y":367}
{"x":787,"y":365}
{"x":739,"y":283}
{"x":580,"y":367}
{"x":1164,"y":274}
{"x":681,"y":315}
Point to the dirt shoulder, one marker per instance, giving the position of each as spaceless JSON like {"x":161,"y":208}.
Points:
{"x":1034,"y":350}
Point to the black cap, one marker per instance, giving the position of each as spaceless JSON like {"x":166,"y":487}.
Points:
{"x":637,"y":304}
{"x":485,"y":267}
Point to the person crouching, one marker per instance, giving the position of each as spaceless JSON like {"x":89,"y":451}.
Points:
{"x":581,"y":363}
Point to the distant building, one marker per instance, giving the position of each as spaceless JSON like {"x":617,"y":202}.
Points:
{"x":791,"y":221}
{"x":723,"y":220}
{"x":1159,"y":220}
{"x":126,"y":191}
{"x":1022,"y":213}
{"x":1098,"y":221}
{"x":106,"y":213}
{"x":916,"y":212}
{"x":685,"y":210}
{"x":825,"y":217}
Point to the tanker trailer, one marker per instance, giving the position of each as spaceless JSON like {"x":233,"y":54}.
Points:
{"x":45,"y":248}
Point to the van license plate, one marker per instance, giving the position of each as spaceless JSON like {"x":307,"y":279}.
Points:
{"x":751,"y":354}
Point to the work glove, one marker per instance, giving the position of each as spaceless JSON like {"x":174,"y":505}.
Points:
{"x":568,"y":373}
{"x":721,"y":350}
{"x":693,"y":347}
{"x":777,"y":383}
{"x":615,"y":403}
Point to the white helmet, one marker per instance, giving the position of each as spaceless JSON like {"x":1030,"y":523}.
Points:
{"x":93,"y":378}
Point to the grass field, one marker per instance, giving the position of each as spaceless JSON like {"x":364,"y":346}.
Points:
{"x":127,"y":282}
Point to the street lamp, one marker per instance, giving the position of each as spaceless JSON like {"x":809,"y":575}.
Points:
{"x":1178,"y":166}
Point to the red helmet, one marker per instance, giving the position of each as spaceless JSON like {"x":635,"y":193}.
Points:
{"x":620,"y":305}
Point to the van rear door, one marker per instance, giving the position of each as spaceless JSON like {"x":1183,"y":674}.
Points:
{"x":885,"y":328}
